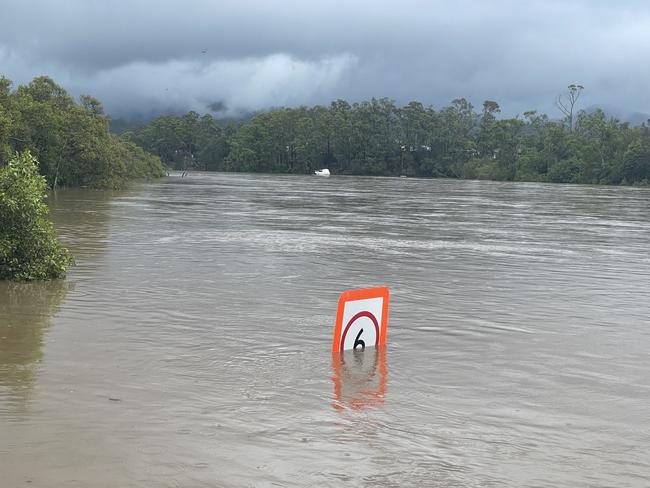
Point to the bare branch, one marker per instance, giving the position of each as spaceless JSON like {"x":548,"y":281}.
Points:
{"x":566,"y":102}
{"x":563,"y":108}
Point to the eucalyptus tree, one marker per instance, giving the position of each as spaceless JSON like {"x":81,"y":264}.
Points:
{"x":567,"y":101}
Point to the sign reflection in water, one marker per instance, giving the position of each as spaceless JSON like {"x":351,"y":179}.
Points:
{"x":360,"y":378}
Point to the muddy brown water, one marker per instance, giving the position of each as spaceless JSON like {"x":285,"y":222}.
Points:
{"x":189,"y":346}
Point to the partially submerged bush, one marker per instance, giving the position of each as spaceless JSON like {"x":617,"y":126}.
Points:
{"x":29,"y":249}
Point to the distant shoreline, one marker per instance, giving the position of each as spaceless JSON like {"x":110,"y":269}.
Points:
{"x":195,"y":172}
{"x":378,"y":138}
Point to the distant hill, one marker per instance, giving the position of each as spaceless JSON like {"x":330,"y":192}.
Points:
{"x":120,"y":126}
{"x":634,"y":118}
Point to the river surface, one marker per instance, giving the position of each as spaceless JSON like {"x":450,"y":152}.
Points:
{"x":190,"y":345}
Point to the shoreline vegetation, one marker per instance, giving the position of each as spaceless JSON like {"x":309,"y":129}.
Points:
{"x":378,"y":138}
{"x":29,"y":249}
{"x":75,"y":147}
{"x":70,"y":140}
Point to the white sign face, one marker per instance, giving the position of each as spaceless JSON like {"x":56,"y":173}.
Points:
{"x":361,"y":323}
{"x":361,"y":319}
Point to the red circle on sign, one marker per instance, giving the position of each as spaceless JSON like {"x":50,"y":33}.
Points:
{"x":365,"y":313}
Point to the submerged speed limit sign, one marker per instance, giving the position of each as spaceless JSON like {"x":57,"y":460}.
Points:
{"x":361,"y":319}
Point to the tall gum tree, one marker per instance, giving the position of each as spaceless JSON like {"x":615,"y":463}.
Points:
{"x":566,"y":102}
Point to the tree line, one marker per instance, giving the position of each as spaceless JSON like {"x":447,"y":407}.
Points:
{"x":70,"y":140}
{"x":377,"y":137}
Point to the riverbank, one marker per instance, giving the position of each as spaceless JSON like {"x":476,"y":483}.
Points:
{"x":379,"y":138}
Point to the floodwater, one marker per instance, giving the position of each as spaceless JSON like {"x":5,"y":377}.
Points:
{"x":190,"y":345}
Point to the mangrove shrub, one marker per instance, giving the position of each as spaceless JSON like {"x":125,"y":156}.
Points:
{"x":29,"y":249}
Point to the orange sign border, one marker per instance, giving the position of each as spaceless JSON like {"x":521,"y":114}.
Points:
{"x":362,"y":294}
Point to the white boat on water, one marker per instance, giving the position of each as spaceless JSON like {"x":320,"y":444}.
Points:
{"x":322,"y":172}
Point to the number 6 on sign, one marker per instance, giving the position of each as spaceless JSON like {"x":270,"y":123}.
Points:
{"x":361,"y":319}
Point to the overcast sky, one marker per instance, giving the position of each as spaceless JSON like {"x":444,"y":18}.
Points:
{"x":154,"y":56}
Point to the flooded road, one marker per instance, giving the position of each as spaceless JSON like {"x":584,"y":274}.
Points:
{"x":190,"y":345}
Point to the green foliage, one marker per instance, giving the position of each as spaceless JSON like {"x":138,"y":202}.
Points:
{"x":29,"y":249}
{"x":636,"y":162}
{"x":379,"y":138}
{"x":75,"y":148}
{"x":565,"y":171}
{"x":71,"y":140}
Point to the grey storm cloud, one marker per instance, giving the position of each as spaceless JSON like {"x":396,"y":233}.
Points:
{"x":143,"y":56}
